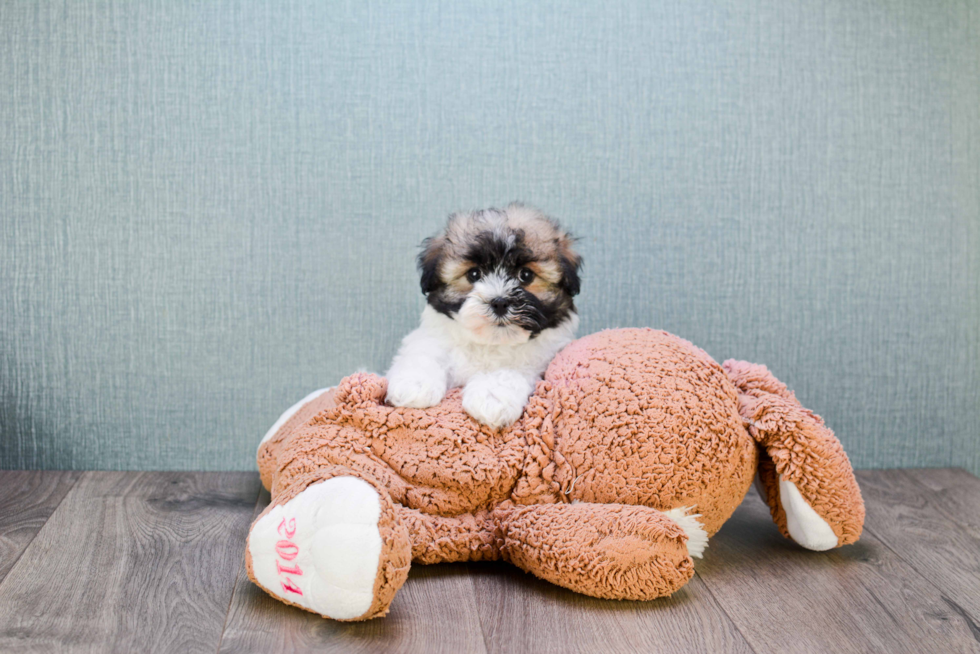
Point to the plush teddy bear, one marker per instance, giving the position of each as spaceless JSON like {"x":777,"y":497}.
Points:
{"x":633,"y":450}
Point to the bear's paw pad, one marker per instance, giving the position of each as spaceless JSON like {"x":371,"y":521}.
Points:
{"x":803,"y":523}
{"x":321,"y":550}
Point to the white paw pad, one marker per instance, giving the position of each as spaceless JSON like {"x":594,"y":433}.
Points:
{"x":807,"y":528}
{"x":322,"y":548}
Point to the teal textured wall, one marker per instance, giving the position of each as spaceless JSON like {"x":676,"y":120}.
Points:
{"x":208,"y":209}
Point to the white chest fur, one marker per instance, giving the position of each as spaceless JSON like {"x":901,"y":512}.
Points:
{"x":465,"y":358}
{"x":496,"y":378}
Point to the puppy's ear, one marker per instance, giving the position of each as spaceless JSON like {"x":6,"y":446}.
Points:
{"x":428,"y":262}
{"x":570,"y":262}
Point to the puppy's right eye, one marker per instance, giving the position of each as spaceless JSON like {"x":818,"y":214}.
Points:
{"x":473,"y":275}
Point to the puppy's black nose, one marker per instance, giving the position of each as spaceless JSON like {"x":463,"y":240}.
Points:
{"x":500,"y":305}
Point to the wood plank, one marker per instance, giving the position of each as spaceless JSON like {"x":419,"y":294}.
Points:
{"x":521,"y":613}
{"x":435,"y":611}
{"x":958,"y":490}
{"x":131,"y":562}
{"x":931,"y":520}
{"x":29,"y":498}
{"x":857,"y":598}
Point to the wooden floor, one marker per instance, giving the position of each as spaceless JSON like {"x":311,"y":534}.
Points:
{"x":152,"y":562}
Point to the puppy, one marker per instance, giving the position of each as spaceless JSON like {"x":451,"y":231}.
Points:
{"x":499,"y":286}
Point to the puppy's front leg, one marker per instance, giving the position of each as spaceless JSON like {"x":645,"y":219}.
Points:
{"x":417,"y":377}
{"x":497,"y":398}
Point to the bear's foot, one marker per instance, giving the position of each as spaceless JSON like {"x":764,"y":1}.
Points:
{"x":805,"y":476}
{"x":803,"y":523}
{"x":612,"y":551}
{"x":333,"y":548}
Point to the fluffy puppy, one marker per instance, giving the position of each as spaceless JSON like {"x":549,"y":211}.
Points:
{"x":499,"y":286}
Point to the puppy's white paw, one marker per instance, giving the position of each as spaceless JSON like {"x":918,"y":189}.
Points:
{"x":496,"y":399}
{"x":416,"y":391}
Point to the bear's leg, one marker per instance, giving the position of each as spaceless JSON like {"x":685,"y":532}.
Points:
{"x":613,"y":551}
{"x":330,"y":543}
{"x":806,"y":478}
{"x":792,"y":513}
{"x":294,"y":417}
{"x":440,"y":539}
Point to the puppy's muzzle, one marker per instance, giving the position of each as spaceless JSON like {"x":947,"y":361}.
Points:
{"x":500,"y":306}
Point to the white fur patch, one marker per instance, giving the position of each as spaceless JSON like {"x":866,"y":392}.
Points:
{"x":697,"y":537}
{"x":807,"y":528}
{"x":291,"y":411}
{"x":321,"y":549}
{"x":442,"y":354}
{"x":418,"y":388}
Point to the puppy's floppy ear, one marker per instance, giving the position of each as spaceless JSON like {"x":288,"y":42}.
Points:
{"x":569,"y":261}
{"x":428,"y":263}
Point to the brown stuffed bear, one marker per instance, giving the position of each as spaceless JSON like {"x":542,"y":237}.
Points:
{"x":634,"y":449}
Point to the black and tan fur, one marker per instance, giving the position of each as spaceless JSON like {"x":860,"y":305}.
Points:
{"x":504,"y":242}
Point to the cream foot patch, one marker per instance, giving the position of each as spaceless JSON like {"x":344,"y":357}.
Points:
{"x":321,"y":549}
{"x":697,"y":537}
{"x":804,"y":525}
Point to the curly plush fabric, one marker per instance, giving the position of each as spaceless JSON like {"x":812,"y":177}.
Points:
{"x":627,"y":426}
{"x":800,"y":449}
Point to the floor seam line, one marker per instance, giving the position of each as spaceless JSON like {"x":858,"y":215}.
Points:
{"x":725,"y":611}
{"x":476,"y":607}
{"x":942,"y":592}
{"x":238,"y":573}
{"x":34,"y":537}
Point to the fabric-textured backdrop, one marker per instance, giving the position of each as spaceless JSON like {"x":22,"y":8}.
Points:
{"x":208,"y":209}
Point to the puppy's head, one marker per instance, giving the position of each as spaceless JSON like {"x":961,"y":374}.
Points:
{"x":504,"y":275}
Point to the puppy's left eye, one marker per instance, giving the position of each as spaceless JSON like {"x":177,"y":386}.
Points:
{"x":473,"y":275}
{"x":525,"y":276}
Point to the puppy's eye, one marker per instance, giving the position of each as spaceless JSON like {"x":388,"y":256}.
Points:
{"x":473,"y":275}
{"x":525,"y":275}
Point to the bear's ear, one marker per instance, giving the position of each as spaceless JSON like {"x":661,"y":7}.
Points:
{"x":360,"y":388}
{"x":360,"y":399}
{"x":429,"y":260}
{"x":569,"y":262}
